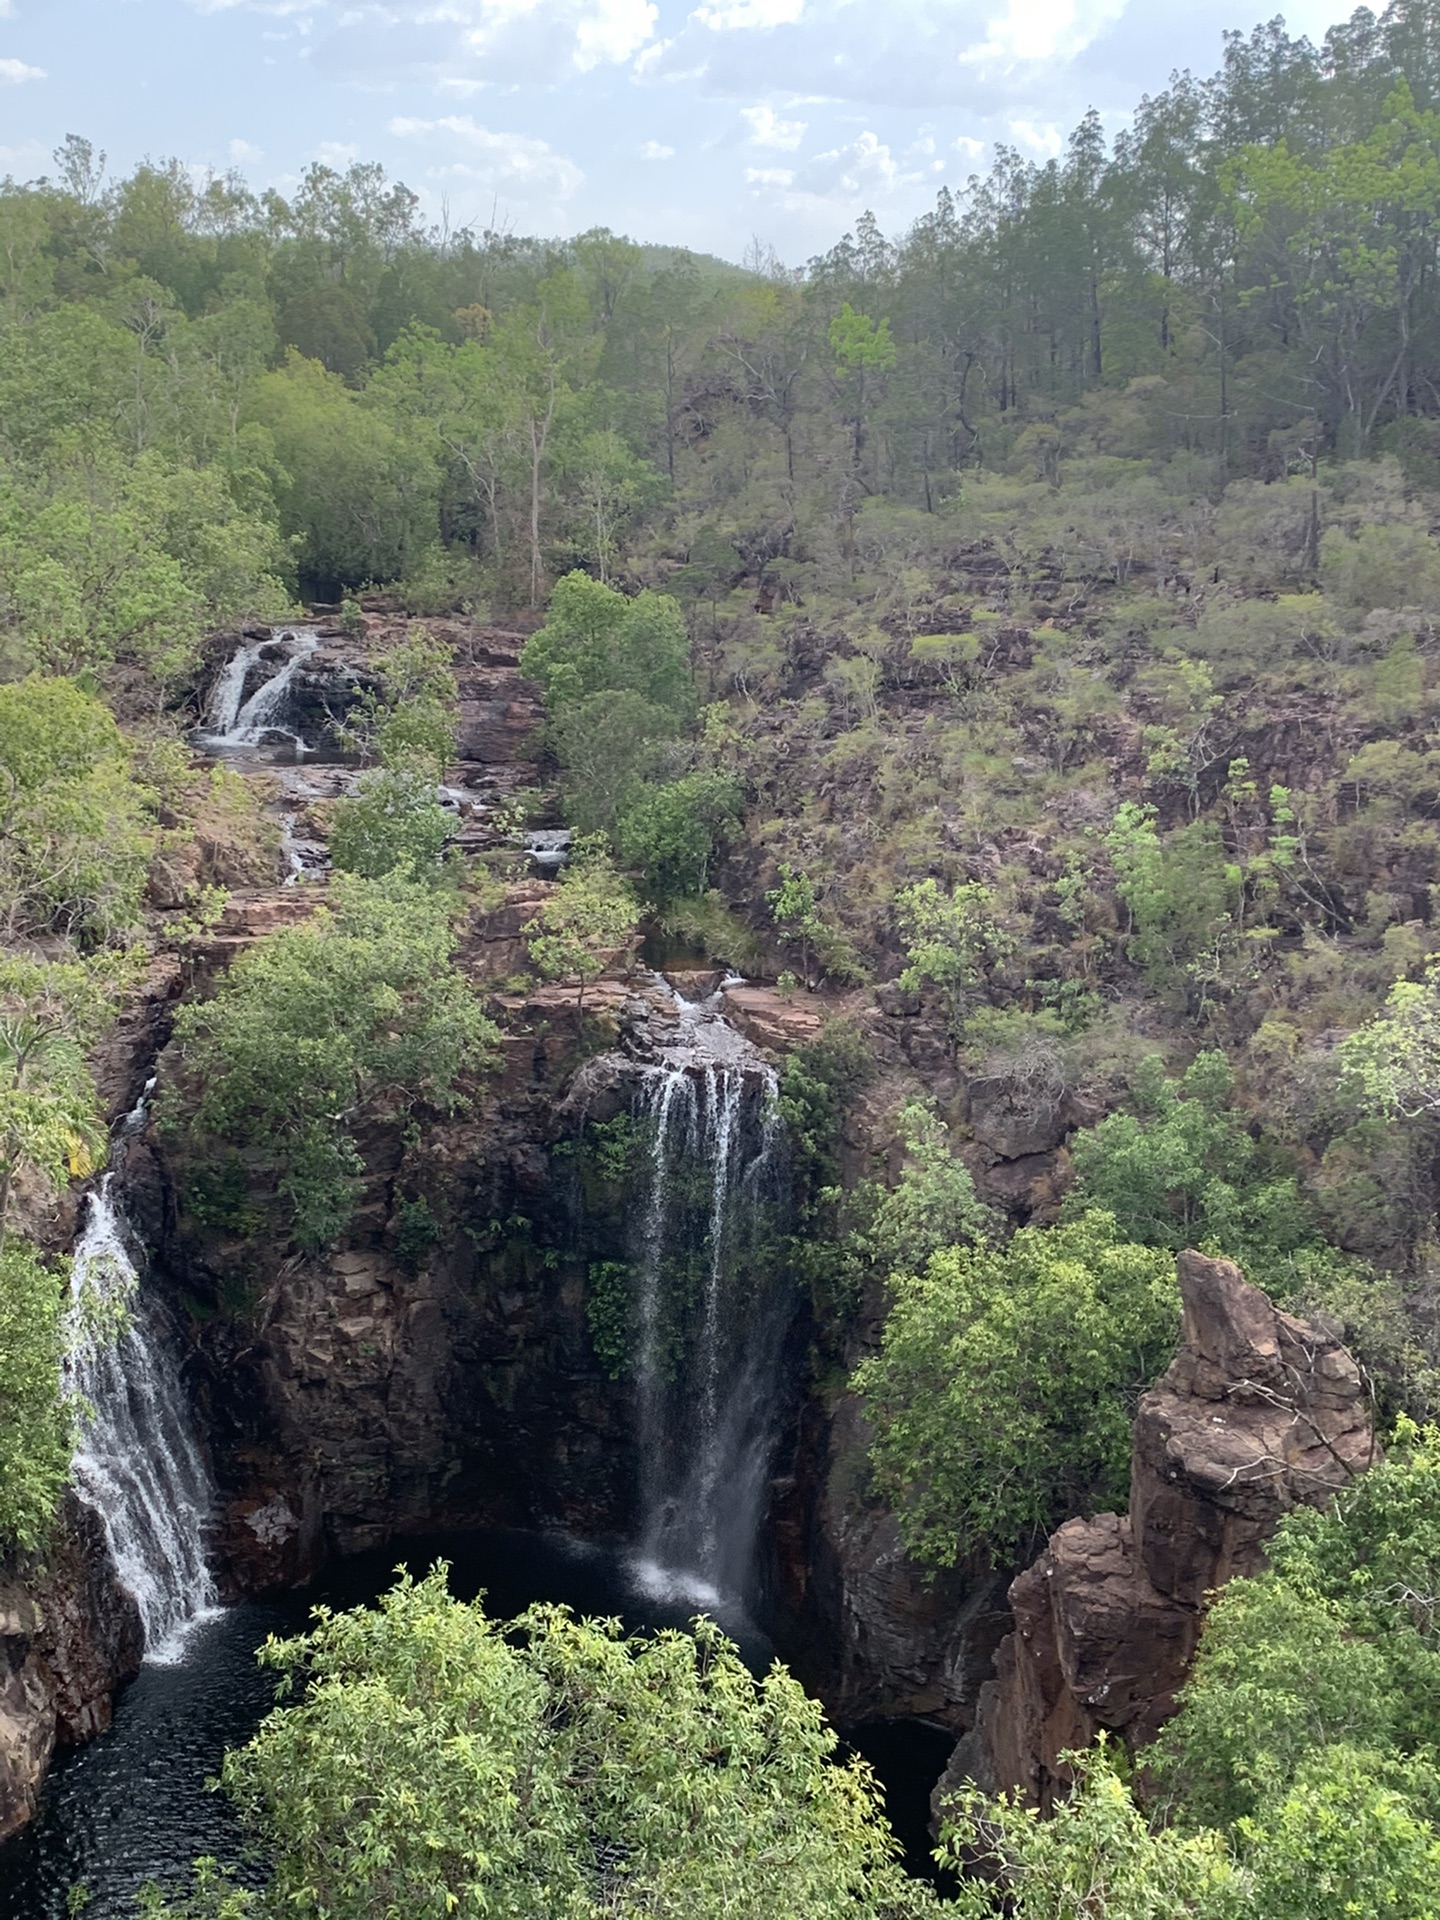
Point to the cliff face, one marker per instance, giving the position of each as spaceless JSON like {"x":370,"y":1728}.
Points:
{"x":1258,"y":1414}
{"x":69,"y":1635}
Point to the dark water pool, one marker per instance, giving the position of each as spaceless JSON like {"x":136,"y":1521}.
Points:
{"x":133,"y":1806}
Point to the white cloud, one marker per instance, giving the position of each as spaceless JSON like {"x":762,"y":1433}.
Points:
{"x":337,"y":153}
{"x":522,"y":175}
{"x":767,"y":129}
{"x":14,"y":73}
{"x":969,"y":146}
{"x":241,"y":151}
{"x":907,"y":53}
{"x":736,"y":16}
{"x":1044,"y":140}
{"x":769,"y":176}
{"x":656,"y":150}
{"x":864,"y":166}
{"x":1046,"y":29}
{"x":24,"y":161}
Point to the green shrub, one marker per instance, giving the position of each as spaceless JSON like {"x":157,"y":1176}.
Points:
{"x":1003,"y":1393}
{"x":550,"y":1766}
{"x":36,"y":1424}
{"x":360,"y":1011}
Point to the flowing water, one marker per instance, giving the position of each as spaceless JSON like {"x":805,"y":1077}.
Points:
{"x":234,"y":719}
{"x":138,"y":1463}
{"x":711,"y":1309}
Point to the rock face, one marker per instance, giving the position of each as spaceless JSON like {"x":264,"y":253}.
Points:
{"x":873,"y":1633}
{"x":68,"y":1637}
{"x":1257,"y":1414}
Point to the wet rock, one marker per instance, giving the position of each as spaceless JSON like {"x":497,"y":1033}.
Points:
{"x":1258,"y":1413}
{"x":69,"y":1634}
{"x":882,"y":1637}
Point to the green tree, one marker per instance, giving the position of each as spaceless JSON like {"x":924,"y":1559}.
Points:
{"x":391,"y":822}
{"x":1096,"y":1858}
{"x":585,"y":919}
{"x":1186,"y":1171}
{"x":952,"y":940}
{"x":435,"y":1760}
{"x":596,"y":641}
{"x":671,"y":832}
{"x":1003,"y":1392}
{"x":77,"y":830}
{"x":1392,"y":1065}
{"x":51,"y":1013}
{"x":359,"y":1012}
{"x":36,"y":1428}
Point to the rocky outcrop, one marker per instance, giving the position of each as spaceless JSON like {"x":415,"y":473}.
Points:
{"x":69,"y":1634}
{"x":1258,"y":1414}
{"x":875,"y":1634}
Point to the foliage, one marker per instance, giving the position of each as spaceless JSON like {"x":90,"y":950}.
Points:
{"x":36,"y":1437}
{"x":1337,"y":1645}
{"x":358,"y":1012}
{"x":436,"y":1760}
{"x":77,"y":830}
{"x":817,"y":1083}
{"x":1002,"y":1394}
{"x":1393,"y":1063}
{"x":392,"y":822}
{"x":932,"y":1205}
{"x":1186,"y":1171}
{"x":51,"y":1012}
{"x":1096,"y":1857}
{"x":952,"y":941}
{"x":585,"y":919}
{"x":411,"y":723}
{"x":670,"y":833}
{"x":595,"y":640}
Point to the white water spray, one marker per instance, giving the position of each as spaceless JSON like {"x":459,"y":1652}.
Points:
{"x":235,"y":721}
{"x":137,"y":1462}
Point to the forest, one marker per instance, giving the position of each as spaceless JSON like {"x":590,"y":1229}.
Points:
{"x":1020,"y":634}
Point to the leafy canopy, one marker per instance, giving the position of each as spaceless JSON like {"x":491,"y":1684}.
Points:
{"x":437,"y":1761}
{"x":583,"y":920}
{"x":1185,"y":1171}
{"x":36,"y":1436}
{"x":360,"y":1012}
{"x":77,"y":829}
{"x":595,"y":640}
{"x":1003,"y":1392}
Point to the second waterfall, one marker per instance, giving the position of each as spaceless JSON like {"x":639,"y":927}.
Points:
{"x":711,"y":1308}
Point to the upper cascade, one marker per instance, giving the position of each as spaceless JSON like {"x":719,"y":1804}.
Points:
{"x":237,"y":719}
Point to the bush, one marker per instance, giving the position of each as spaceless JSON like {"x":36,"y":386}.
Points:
{"x":392,"y":821}
{"x":76,"y":829}
{"x":671,"y":832}
{"x":437,"y":1760}
{"x":358,"y":1012}
{"x":1005,"y":1385}
{"x":36,"y":1428}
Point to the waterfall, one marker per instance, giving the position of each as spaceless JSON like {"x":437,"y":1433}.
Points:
{"x":137,"y":1462}
{"x":234,"y":721}
{"x":710,"y":1311}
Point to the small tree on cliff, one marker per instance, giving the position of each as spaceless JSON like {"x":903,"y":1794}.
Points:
{"x":1002,"y":1394}
{"x":588,"y":916}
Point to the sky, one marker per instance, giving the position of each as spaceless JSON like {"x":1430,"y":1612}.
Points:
{"x":710,"y":125}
